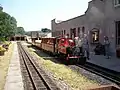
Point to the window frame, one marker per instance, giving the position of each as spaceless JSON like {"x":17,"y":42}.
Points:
{"x":91,"y":32}
{"x":117,"y":33}
{"x":116,"y":3}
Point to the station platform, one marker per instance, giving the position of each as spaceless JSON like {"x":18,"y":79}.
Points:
{"x":113,"y":63}
{"x":14,"y":77}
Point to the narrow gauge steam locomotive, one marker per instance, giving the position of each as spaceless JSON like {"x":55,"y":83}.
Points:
{"x":64,"y":48}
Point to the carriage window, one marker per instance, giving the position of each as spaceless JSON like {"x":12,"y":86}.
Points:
{"x":48,"y":41}
{"x":52,"y":41}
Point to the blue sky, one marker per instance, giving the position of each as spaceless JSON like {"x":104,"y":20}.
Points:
{"x":36,"y":14}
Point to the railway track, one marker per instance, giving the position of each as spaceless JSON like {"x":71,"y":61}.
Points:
{"x":101,"y":71}
{"x":34,"y":77}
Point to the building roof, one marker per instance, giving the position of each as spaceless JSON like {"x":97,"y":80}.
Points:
{"x":76,"y":16}
{"x":19,"y":35}
{"x":71,"y":19}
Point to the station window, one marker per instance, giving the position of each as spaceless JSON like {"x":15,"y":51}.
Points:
{"x":71,"y":33}
{"x":64,"y":32}
{"x":78,"y":31}
{"x":68,"y":35}
{"x":116,"y":3}
{"x":118,"y":32}
{"x":95,"y":35}
{"x":83,"y":29}
{"x":74,"y":32}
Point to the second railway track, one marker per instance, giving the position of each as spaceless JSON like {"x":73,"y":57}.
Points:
{"x":35,"y":77}
{"x":104,"y":72}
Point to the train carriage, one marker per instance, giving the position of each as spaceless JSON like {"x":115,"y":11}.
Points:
{"x":48,"y":44}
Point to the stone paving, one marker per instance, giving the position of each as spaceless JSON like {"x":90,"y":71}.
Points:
{"x":14,"y":77}
{"x":113,"y":63}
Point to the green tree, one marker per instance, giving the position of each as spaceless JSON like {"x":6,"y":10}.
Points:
{"x":20,"y":30}
{"x":8,"y":25}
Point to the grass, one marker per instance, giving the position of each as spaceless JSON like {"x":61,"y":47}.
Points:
{"x":74,"y":79}
{"x":4,"y":64}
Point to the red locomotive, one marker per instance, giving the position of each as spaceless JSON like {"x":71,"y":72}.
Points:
{"x":64,"y":48}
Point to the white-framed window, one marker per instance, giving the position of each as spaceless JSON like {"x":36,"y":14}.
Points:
{"x":116,"y":3}
{"x":94,"y":35}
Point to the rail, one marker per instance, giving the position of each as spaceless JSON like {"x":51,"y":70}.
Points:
{"x":38,"y":78}
{"x":101,"y":71}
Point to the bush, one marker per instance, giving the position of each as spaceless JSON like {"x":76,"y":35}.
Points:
{"x":2,"y":49}
{"x":7,"y":42}
{"x":2,"y":39}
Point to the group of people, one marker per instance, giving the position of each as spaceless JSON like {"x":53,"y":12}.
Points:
{"x":82,"y":45}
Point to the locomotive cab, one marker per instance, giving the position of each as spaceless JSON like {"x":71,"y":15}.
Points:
{"x":64,"y":43}
{"x":66,"y":48}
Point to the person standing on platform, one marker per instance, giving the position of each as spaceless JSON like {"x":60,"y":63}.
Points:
{"x":86,"y":47}
{"x":107,"y":46}
{"x":78,"y":46}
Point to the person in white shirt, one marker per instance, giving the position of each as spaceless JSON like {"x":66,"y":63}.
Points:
{"x":78,"y":45}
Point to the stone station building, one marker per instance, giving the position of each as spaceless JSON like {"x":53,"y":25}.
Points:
{"x":102,"y":18}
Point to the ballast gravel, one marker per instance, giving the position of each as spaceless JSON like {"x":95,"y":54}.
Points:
{"x":91,"y":76}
